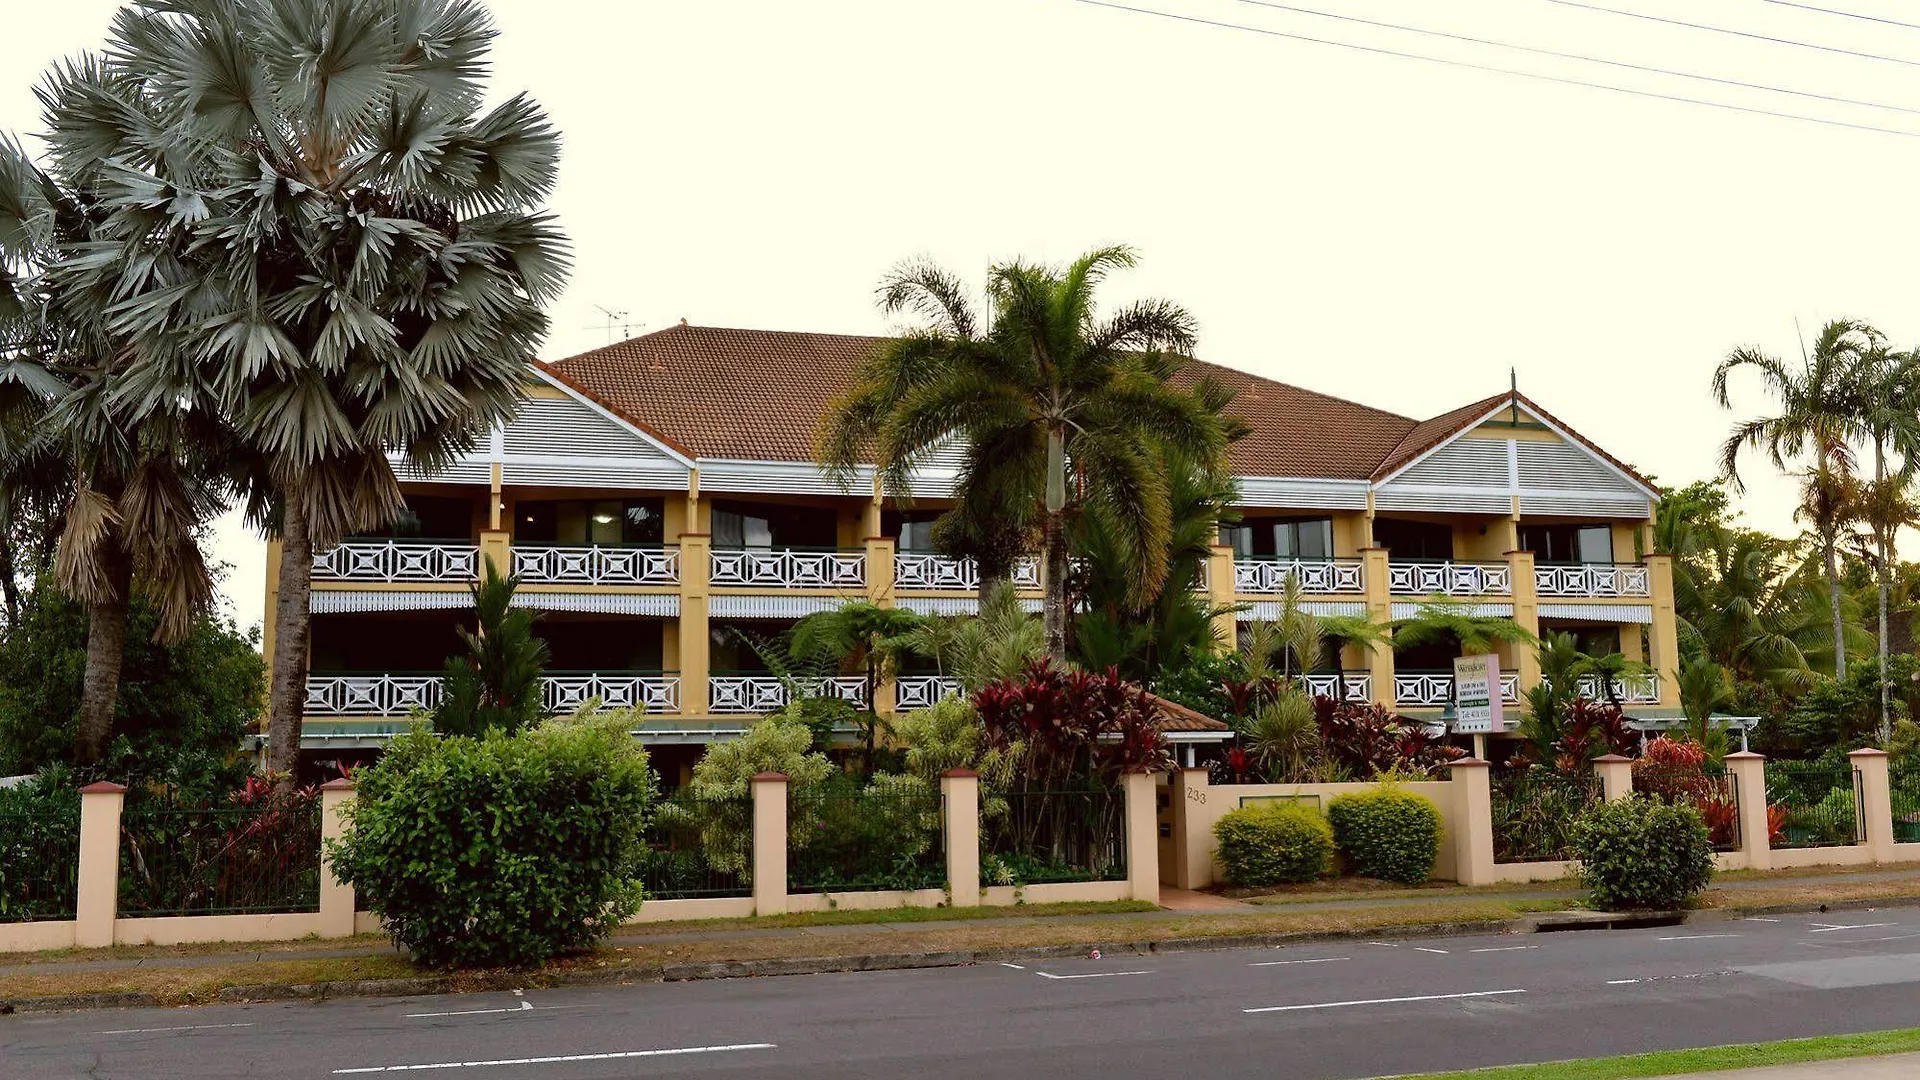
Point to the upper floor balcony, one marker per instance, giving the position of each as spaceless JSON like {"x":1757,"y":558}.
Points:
{"x":1593,"y":580}
{"x":788,"y":568}
{"x":1263,"y":575}
{"x":1449,"y":577}
{"x":389,"y":694}
{"x":389,"y":561}
{"x":920,"y":571}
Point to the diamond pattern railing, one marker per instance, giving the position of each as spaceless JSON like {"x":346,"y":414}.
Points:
{"x":597,"y":565}
{"x":398,"y":560}
{"x":562,"y":692}
{"x":921,"y":691}
{"x":1327,"y":684}
{"x":1316,"y":576}
{"x":1449,"y":578}
{"x":1433,"y":689}
{"x":920,"y":570}
{"x":754,"y":694}
{"x":789,"y":568}
{"x":1631,"y":689}
{"x":1594,"y":579}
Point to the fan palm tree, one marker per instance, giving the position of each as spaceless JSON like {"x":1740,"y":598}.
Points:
{"x":1341,"y":631}
{"x":306,"y":213}
{"x":1058,"y":410}
{"x":1609,"y":670}
{"x":1886,"y":400}
{"x":862,"y":635}
{"x":1815,"y":417}
{"x":131,"y":489}
{"x":1439,"y":622}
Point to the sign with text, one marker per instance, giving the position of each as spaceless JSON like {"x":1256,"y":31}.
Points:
{"x":1476,"y":695}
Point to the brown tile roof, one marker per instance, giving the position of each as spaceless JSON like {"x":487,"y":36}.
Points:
{"x":712,"y":392}
{"x":1177,"y":717}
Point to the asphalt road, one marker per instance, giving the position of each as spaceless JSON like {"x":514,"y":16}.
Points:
{"x":1321,"y":1011}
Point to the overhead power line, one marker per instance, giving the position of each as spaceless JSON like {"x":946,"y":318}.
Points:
{"x":1582,"y":57}
{"x":1846,"y":14}
{"x":1737,"y":33}
{"x":1382,"y":51}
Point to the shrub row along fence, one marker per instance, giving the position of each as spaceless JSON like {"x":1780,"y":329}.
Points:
{"x":1817,"y":806}
{"x":1050,"y":837}
{"x":863,"y":841}
{"x":1533,"y":812}
{"x":1904,"y":784}
{"x":699,"y":849}
{"x":39,"y":863}
{"x":220,"y":860}
{"x":1708,"y":788}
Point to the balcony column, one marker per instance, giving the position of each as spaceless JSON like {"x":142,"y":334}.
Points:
{"x":1526,"y":612}
{"x":1663,"y":635}
{"x":1222,"y":589}
{"x":695,"y":567}
{"x":1374,"y":574}
{"x":880,"y":551}
{"x":496,"y":547}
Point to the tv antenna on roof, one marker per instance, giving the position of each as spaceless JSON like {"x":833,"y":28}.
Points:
{"x":618,"y":320}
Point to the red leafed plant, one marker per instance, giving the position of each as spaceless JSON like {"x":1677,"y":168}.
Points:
{"x":1364,"y":740}
{"x":1777,"y":825}
{"x":1722,"y":816}
{"x":1074,"y":726}
{"x":1592,"y":728}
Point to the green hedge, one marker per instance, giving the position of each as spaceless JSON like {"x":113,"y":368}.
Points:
{"x":1642,"y":853}
{"x":1268,"y":845}
{"x":1387,"y":833}
{"x":502,"y":850}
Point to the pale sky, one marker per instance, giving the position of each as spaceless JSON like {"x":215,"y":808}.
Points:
{"x":1381,"y":228}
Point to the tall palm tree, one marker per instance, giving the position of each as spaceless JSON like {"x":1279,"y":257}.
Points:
{"x":1753,"y":620}
{"x":1814,"y":417}
{"x":1058,"y":408}
{"x":1886,"y":400}
{"x":131,"y":489}
{"x":308,"y":214}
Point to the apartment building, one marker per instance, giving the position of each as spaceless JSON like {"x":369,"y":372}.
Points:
{"x":659,"y":501}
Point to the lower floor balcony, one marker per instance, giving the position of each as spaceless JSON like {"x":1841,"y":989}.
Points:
{"x":563,"y":691}
{"x":1434,"y":689}
{"x":752,"y":693}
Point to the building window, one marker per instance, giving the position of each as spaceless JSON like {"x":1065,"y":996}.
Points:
{"x":911,"y":531}
{"x":1405,"y":539}
{"x":1568,"y":543}
{"x":1281,"y":538}
{"x":737,"y":525}
{"x":597,"y":521}
{"x":426,"y":517}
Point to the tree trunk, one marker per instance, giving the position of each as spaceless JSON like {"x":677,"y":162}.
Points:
{"x":1883,"y":539}
{"x":287,"y":696}
{"x":1056,"y":583}
{"x":9,"y":586}
{"x":106,"y":649}
{"x":1833,"y":599}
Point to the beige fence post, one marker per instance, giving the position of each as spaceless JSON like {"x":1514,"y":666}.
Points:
{"x":960,"y":811}
{"x":1616,"y":776}
{"x":336,"y":896}
{"x":1876,"y":801}
{"x":770,"y":843}
{"x":97,"y":901}
{"x":1750,"y":784}
{"x":1143,"y":838}
{"x":1473,"y":842}
{"x":1192,"y":839}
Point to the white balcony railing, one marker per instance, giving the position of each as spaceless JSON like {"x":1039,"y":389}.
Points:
{"x":1359,"y":686}
{"x":1593,"y":579}
{"x":753,"y":694}
{"x":1263,"y":576}
{"x":648,"y":692}
{"x":398,"y":695}
{"x":398,"y":560}
{"x":1449,"y":578}
{"x":789,"y":568}
{"x":1434,"y":689}
{"x":920,"y":691}
{"x":597,"y":565}
{"x":1631,"y":690}
{"x":921,"y":570}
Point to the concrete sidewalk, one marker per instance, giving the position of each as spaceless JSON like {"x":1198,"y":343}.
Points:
{"x":1896,"y":1067}
{"x":1189,"y":904}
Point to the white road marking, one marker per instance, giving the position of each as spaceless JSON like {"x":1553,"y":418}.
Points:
{"x":1015,"y":967}
{"x":524,"y":1006}
{"x":1442,"y":952}
{"x":1697,"y":937}
{"x":1828,"y":928}
{"x":1384,"y":944}
{"x":1383,"y":1001}
{"x":155,"y":1031}
{"x":1282,"y":963}
{"x":1506,"y":948}
{"x":1092,"y":975}
{"x":1759,"y":920}
{"x":1669,"y":978}
{"x":557,"y":1060}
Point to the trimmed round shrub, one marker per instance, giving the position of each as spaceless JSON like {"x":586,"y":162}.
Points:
{"x":502,"y":850}
{"x":1387,"y":833}
{"x":1642,"y":853}
{"x":1271,"y":844}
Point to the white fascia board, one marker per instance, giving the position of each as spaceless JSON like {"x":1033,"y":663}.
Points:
{"x":649,"y":437}
{"x":1508,"y":406}
{"x":1304,"y":492}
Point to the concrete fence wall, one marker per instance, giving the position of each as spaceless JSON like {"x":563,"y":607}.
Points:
{"x":1184,"y":857}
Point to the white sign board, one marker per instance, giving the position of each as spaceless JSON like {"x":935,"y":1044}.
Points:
{"x":1476,"y":695}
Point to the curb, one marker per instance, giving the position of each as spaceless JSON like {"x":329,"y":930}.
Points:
{"x":428,"y":985}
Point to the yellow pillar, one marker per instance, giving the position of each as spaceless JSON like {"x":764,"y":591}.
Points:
{"x":960,"y":805}
{"x":496,"y":547}
{"x":1473,"y":839}
{"x":879,"y":551}
{"x":1616,"y":776}
{"x":1876,"y":801}
{"x":1222,"y":593}
{"x":1526,"y":612}
{"x":97,"y":899}
{"x":1750,"y":785}
{"x":694,"y":652}
{"x":1664,"y":638}
{"x":1373,"y":570}
{"x":336,"y":896}
{"x":1143,"y":838}
{"x":1192,"y":833}
{"x":770,"y":843}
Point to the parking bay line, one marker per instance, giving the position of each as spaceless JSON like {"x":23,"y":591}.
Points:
{"x":525,"y":1006}
{"x":1697,"y":937}
{"x":1382,"y":1001}
{"x":1828,"y":928}
{"x":558,"y":1059}
{"x":1092,"y":975}
{"x":1506,"y":948}
{"x":158,"y":1030}
{"x":1283,"y":963}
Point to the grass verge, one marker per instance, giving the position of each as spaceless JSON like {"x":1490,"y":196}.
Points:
{"x":1709,"y":1059}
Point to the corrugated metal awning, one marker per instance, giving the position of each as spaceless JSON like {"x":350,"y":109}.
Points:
{"x":1615,"y":613}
